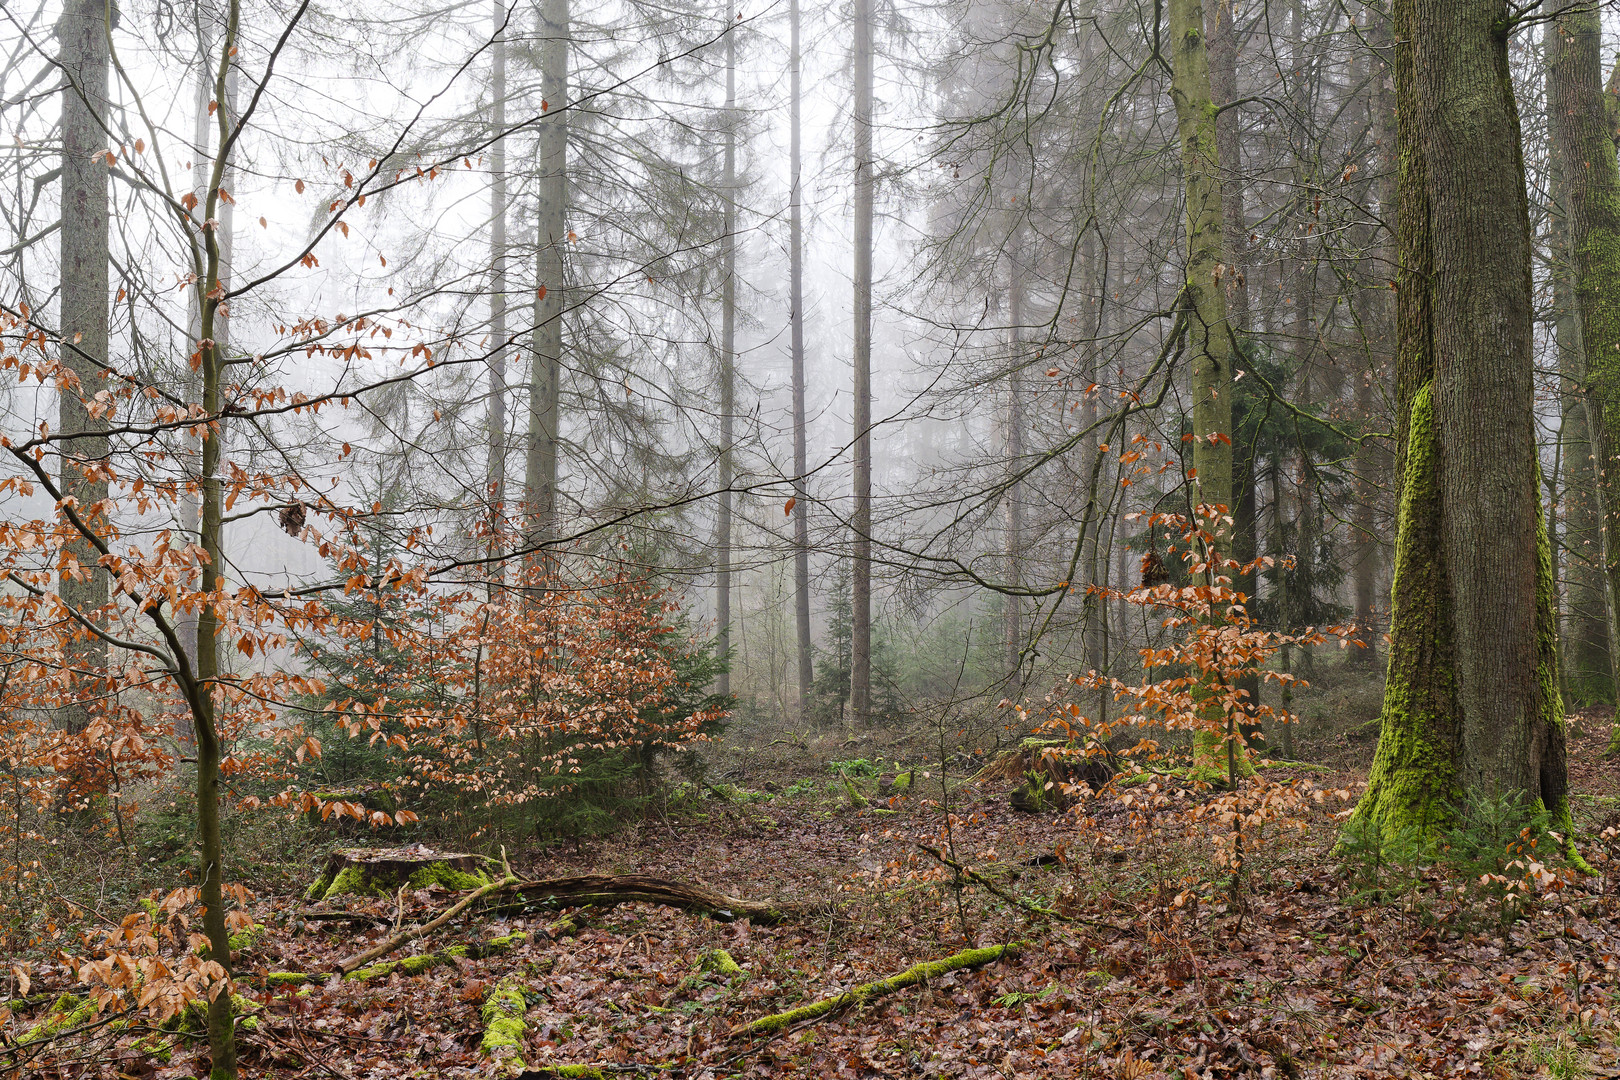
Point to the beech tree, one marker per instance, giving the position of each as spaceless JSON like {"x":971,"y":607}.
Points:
{"x":1471,"y":707}
{"x":1582,"y":120}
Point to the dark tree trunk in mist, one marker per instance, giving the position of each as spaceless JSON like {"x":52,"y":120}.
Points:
{"x":860,"y":677}
{"x":1014,"y":625}
{"x":82,"y":31}
{"x":496,"y":490}
{"x":728,"y":359}
{"x":1471,"y":706}
{"x":801,"y":464}
{"x":1223,"y":55}
{"x":1583,"y":130}
{"x":1372,"y":458}
{"x":545,"y":366}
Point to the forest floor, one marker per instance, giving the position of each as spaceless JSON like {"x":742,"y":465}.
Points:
{"x":1150,"y":963}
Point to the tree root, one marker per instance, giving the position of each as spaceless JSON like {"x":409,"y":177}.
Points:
{"x":933,"y":969}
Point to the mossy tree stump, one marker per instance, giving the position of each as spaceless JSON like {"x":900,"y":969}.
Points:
{"x":381,"y":871}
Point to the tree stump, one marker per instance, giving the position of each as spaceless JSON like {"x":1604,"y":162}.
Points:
{"x":381,"y":871}
{"x":1048,"y":771}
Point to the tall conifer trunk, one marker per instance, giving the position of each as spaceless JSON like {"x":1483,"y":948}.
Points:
{"x":496,"y":435}
{"x":545,"y":366}
{"x":801,"y":464}
{"x":728,"y":358}
{"x":860,"y":677}
{"x":1013,"y":629}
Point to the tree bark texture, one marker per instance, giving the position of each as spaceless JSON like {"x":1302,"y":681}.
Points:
{"x":1471,"y":705}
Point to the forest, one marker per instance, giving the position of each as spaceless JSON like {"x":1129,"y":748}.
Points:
{"x":984,"y":539}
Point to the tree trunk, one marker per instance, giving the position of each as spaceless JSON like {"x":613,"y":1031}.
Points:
{"x":1013,"y":628}
{"x":1223,"y":55}
{"x":728,"y":358}
{"x":801,"y":464}
{"x":1372,"y":459}
{"x":83,"y":33}
{"x":200,"y":690}
{"x":860,"y":676}
{"x":496,"y":454}
{"x":1211,"y":344}
{"x":545,"y":370}
{"x":1471,"y":706}
{"x":1587,"y":676}
{"x":1223,"y":85}
{"x":1591,"y":181}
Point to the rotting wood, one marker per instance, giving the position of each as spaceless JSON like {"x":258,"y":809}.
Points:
{"x":933,"y":969}
{"x":605,"y":890}
{"x":379,"y":872}
{"x":397,"y":940}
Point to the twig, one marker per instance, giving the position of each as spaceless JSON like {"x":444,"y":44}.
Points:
{"x":1033,"y":908}
{"x":355,"y":963}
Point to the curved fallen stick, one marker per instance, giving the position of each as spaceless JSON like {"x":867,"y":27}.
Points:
{"x":933,"y":969}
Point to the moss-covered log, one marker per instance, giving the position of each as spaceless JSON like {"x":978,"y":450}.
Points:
{"x":380,"y":872}
{"x":933,"y":969}
{"x":405,"y":936}
{"x":604,"y":890}
{"x":416,"y":965}
{"x":504,"y":1006}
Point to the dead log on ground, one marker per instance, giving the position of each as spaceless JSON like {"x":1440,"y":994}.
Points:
{"x":605,"y":890}
{"x":404,"y":936}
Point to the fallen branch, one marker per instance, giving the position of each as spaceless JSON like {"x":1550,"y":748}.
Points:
{"x":354,"y":963}
{"x":1027,"y":905}
{"x":933,"y":969}
{"x":603,"y":890}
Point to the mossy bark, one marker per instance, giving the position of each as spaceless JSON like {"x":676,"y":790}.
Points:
{"x":1471,"y":703}
{"x":1413,"y":782}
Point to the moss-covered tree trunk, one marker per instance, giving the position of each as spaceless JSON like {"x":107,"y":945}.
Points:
{"x":1582,"y":136}
{"x":1471,"y":706}
{"x":1211,"y":344}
